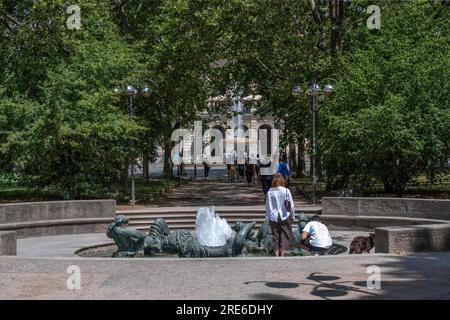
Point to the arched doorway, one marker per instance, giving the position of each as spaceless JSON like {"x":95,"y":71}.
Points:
{"x":268,"y":145}
{"x":241,"y":139}
{"x":222,"y":130}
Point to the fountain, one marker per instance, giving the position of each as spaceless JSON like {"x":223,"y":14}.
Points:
{"x":210,"y":229}
{"x":213,"y":238}
{"x":239,"y":131}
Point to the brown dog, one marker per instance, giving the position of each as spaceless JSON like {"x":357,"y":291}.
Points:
{"x":362,"y":244}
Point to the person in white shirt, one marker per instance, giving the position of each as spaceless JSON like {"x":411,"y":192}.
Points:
{"x":316,"y":235}
{"x":280,"y":218}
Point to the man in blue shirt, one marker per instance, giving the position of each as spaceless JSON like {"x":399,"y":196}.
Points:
{"x":283,"y":168}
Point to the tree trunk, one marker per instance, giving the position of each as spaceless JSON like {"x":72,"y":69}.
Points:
{"x":145,"y":166}
{"x":399,"y":187}
{"x":292,"y":157}
{"x":123,"y":179}
{"x":319,"y":172}
{"x":119,"y":7}
{"x":300,"y":158}
{"x":337,"y":16}
{"x":399,"y":192}
{"x":319,"y":19}
{"x":388,"y":187}
{"x":168,"y":165}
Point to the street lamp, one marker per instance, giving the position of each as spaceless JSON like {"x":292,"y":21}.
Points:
{"x":314,"y":91}
{"x":146,"y":92}
{"x":297,"y":91}
{"x":328,"y":90}
{"x":131,"y":93}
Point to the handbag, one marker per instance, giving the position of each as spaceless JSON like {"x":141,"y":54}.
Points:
{"x":290,"y":220}
{"x":287,"y":204}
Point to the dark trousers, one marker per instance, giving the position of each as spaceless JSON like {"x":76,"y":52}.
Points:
{"x":307,"y":242}
{"x":206,"y":171}
{"x":281,"y":234}
{"x":266,"y":182}
{"x":249,"y":176}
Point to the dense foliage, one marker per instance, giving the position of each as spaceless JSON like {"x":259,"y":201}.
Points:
{"x":62,"y":127}
{"x":391,"y":118}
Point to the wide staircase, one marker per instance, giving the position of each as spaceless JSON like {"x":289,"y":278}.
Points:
{"x":184,"y":217}
{"x":233,"y":201}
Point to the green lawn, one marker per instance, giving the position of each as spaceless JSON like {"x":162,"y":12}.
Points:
{"x":146,"y":192}
{"x":11,"y":191}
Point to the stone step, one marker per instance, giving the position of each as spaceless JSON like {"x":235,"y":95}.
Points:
{"x":180,"y":222}
{"x":189,"y":224}
{"x":184,"y":217}
{"x":192,"y":216}
{"x":177,"y":222}
{"x":188,"y":227}
{"x":222,"y":211}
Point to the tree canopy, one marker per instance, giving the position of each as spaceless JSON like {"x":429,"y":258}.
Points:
{"x":62,"y":126}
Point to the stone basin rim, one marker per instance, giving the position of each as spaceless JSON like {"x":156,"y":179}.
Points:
{"x":341,"y":218}
{"x":128,"y":260}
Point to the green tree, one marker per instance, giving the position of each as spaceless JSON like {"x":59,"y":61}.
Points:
{"x":389,"y":119}
{"x":66,"y":130}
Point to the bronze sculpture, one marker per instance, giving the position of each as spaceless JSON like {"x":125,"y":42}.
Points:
{"x":129,"y":242}
{"x":160,"y":239}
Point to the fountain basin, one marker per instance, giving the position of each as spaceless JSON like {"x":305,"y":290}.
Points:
{"x":342,"y":229}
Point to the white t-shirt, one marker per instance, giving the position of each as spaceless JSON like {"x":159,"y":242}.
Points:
{"x":318,"y":232}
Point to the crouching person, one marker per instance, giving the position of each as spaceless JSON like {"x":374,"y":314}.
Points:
{"x":315,"y":236}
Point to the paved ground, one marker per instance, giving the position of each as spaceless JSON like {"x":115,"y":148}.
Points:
{"x":58,"y":246}
{"x":215,"y":192}
{"x":422,"y":276}
{"x":40,"y":270}
{"x":208,"y":193}
{"x":67,"y":245}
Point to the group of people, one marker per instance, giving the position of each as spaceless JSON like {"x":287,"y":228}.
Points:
{"x":239,"y":171}
{"x":236,"y":171}
{"x":251,"y":171}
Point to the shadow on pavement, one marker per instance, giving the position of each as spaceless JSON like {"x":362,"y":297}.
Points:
{"x":282,"y":285}
{"x":322,"y":285}
{"x":271,"y":296}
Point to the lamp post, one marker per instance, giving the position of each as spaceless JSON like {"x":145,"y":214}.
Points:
{"x":314,"y":90}
{"x":131,"y":93}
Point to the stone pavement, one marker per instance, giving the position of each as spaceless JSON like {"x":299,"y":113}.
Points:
{"x":420,"y":276}
{"x":202,"y":193}
{"x":59,"y":246}
{"x":40,"y":270}
{"x":67,"y":245}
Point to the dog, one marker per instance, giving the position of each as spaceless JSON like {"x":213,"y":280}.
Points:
{"x":361,"y":245}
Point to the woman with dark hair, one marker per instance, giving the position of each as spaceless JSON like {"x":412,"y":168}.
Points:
{"x":280,"y":213}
